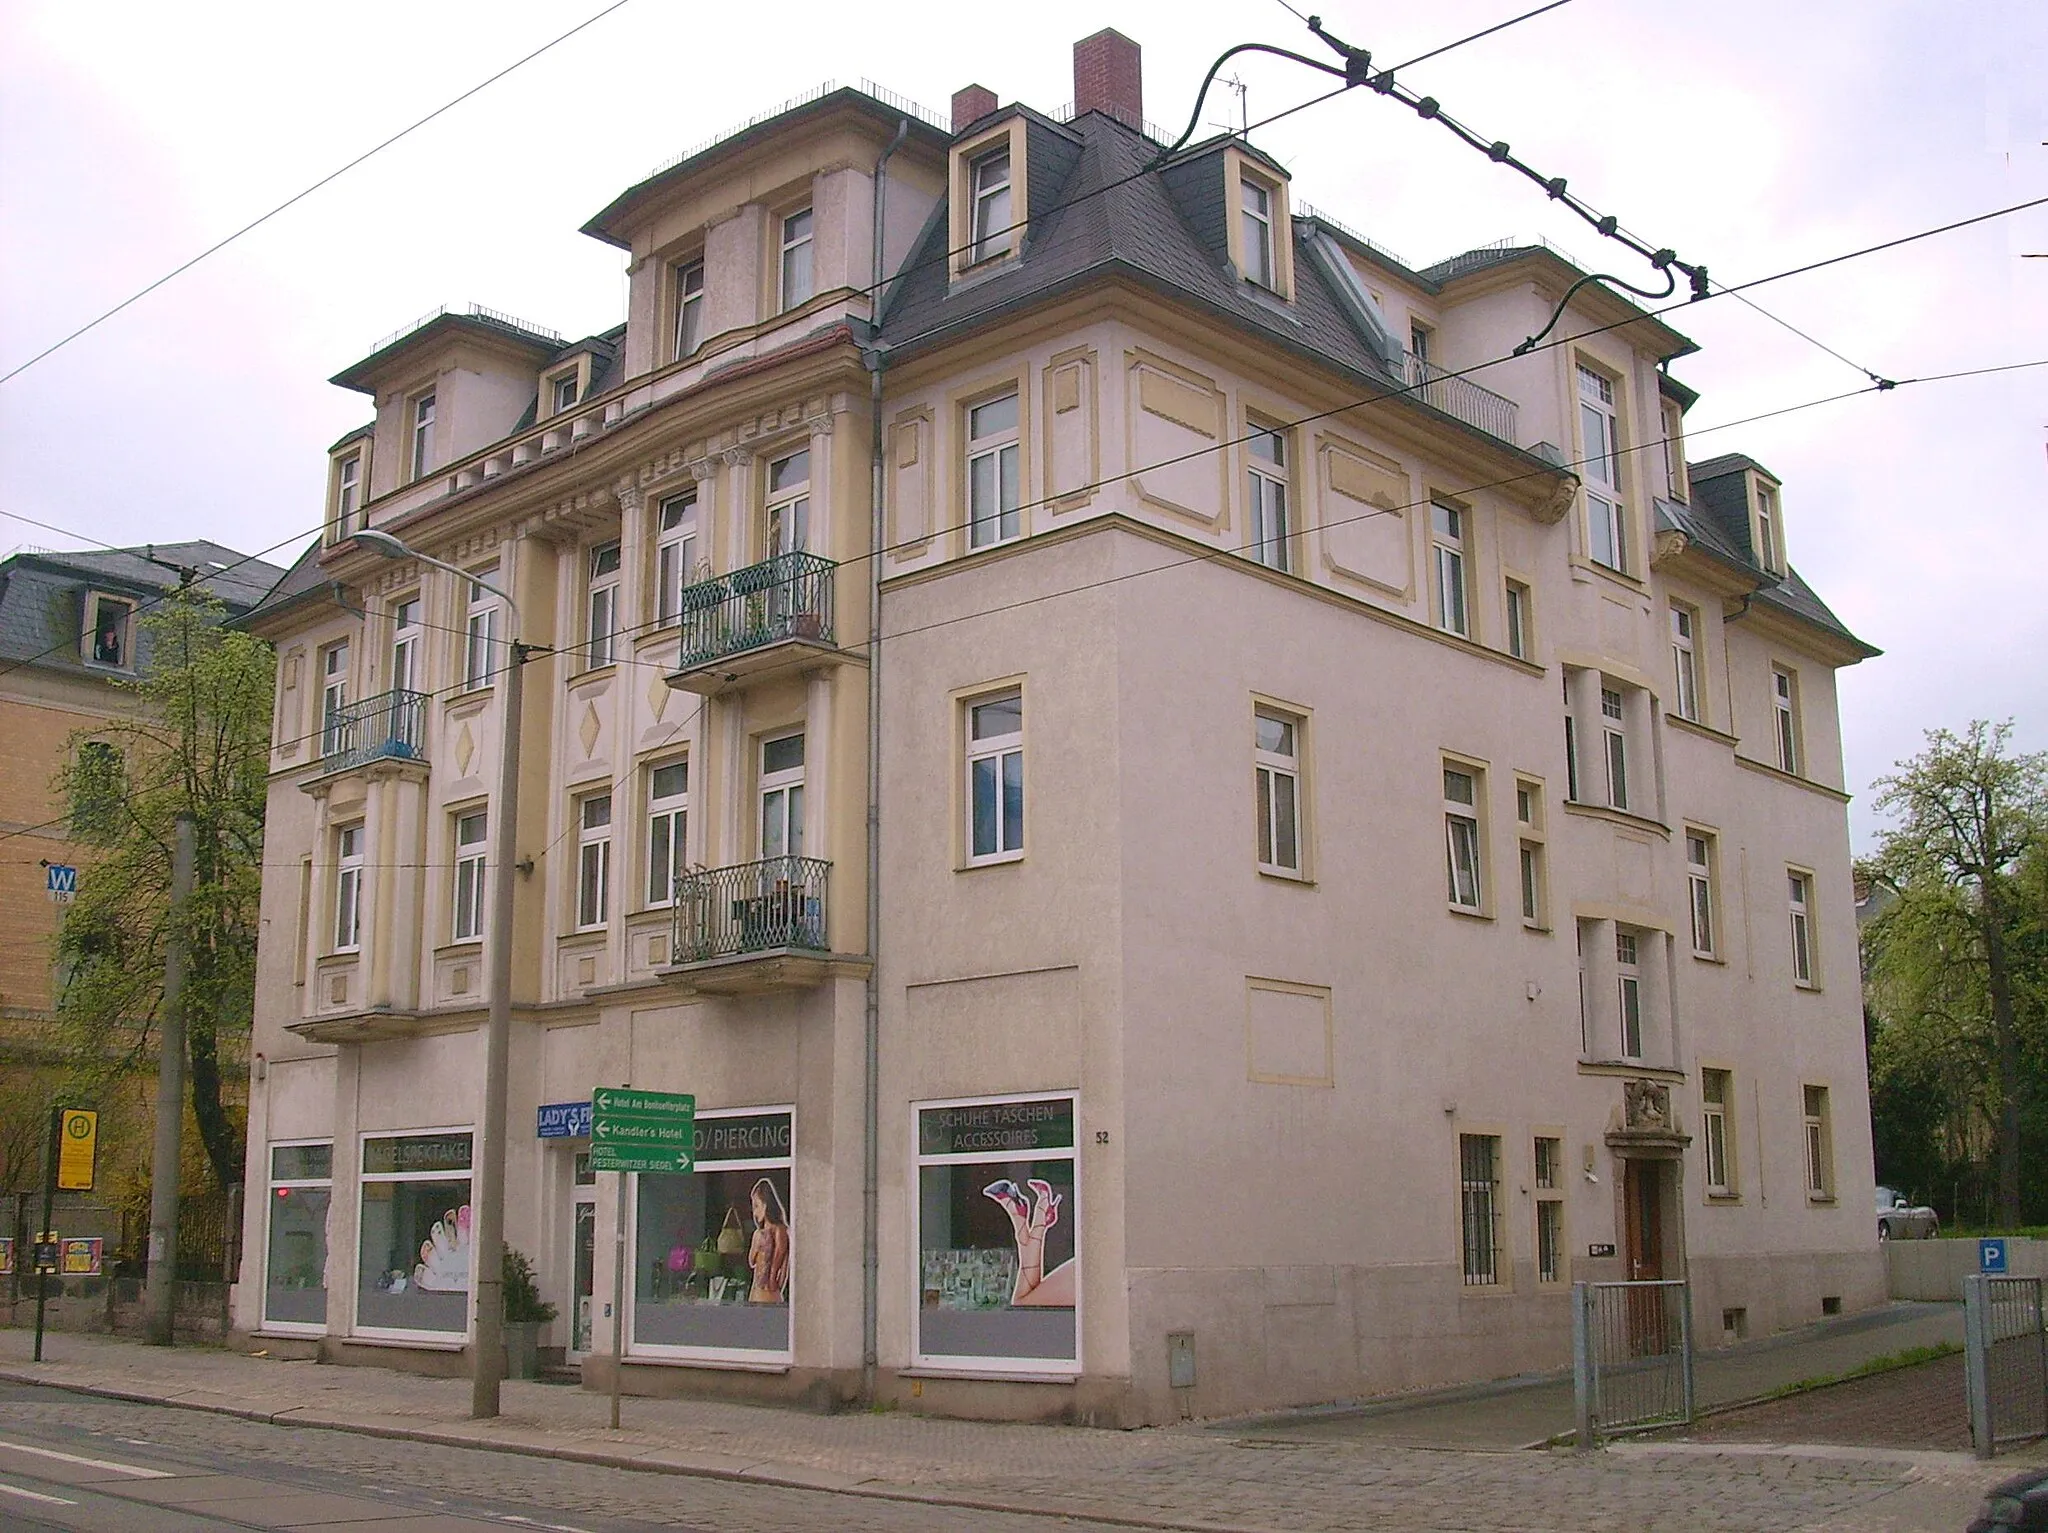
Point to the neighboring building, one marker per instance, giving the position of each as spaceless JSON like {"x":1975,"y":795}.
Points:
{"x":1345,"y":873}
{"x":70,"y":632}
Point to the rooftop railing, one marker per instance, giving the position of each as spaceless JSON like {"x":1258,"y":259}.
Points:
{"x":1462,"y":399}
{"x":786,"y":597}
{"x":752,"y":907}
{"x":388,"y":727}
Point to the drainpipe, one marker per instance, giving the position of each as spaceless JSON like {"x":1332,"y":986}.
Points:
{"x":871,"y":1085}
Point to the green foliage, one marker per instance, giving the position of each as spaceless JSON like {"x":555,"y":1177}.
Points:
{"x":197,"y":743}
{"x":1957,"y":966}
{"x":523,"y":1303}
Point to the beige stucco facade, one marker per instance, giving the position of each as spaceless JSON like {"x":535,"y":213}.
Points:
{"x":1277,"y":1099}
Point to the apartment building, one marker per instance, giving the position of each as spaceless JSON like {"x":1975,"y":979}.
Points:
{"x":1358,"y":848}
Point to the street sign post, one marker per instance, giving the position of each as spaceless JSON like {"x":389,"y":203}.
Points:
{"x":642,"y":1130}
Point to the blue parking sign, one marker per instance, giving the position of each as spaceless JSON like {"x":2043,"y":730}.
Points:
{"x":1991,"y":1254}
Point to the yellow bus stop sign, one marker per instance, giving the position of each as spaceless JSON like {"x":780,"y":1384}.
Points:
{"x":78,"y":1135}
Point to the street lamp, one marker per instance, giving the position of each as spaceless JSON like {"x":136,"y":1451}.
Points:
{"x":487,"y":1233}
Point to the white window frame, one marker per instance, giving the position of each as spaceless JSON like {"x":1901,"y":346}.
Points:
{"x":420,"y":448}
{"x":1674,"y":448}
{"x":1256,"y":236}
{"x":1534,"y":876}
{"x":796,"y":275}
{"x":668,"y":831}
{"x":1785,"y":715}
{"x":784,"y":789}
{"x":334,"y":675}
{"x":1614,"y":745}
{"x":1277,"y":785}
{"x":995,"y":471}
{"x":990,"y":203}
{"x":1685,"y":663}
{"x":96,"y":603}
{"x":348,"y":474}
{"x":407,"y":630}
{"x":689,"y":298}
{"x":1267,"y":529}
{"x":1464,"y":839}
{"x":363,"y":1180}
{"x":675,"y":553}
{"x":349,"y":843}
{"x":602,"y":565}
{"x":994,"y":757}
{"x":1628,"y":991}
{"x":788,"y":504}
{"x":277,"y":1184}
{"x":1770,"y":530}
{"x":559,"y":385}
{"x":470,"y":893}
{"x":1799,"y":905}
{"x":593,"y":891}
{"x":480,"y":629}
{"x":1607,"y":541}
{"x":1518,"y":619}
{"x":1702,"y":909}
{"x":1716,"y":1146}
{"x":1482,"y":1260}
{"x":1450,"y":582}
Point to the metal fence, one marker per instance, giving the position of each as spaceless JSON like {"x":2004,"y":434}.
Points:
{"x":786,"y":597}
{"x":1631,"y":1356}
{"x":2005,"y":1360}
{"x":391,"y":724}
{"x":778,"y":902}
{"x":1463,"y":399}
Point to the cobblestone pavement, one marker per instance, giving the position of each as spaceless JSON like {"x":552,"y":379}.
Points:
{"x":860,"y":1471}
{"x":1918,"y":1407}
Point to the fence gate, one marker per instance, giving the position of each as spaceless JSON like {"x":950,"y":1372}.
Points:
{"x":2005,"y":1360}
{"x":1631,"y":1356}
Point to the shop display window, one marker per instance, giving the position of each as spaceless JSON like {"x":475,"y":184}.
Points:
{"x":295,"y":1250}
{"x":414,"y":1248}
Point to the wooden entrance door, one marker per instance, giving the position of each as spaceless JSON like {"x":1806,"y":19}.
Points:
{"x":1642,"y":1187}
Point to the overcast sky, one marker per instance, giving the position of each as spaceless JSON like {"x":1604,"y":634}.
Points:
{"x":1752,"y":135}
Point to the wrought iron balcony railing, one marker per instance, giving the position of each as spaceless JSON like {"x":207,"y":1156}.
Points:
{"x":786,"y":597}
{"x":390,"y":726}
{"x":1463,"y":399}
{"x":779,"y":902}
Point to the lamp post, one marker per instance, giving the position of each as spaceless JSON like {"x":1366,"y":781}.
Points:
{"x":487,"y":1233}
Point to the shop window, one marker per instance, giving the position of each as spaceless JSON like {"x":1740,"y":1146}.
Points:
{"x":997,"y":1235}
{"x":412,"y":1272}
{"x":295,"y":1244}
{"x":714,"y":1249}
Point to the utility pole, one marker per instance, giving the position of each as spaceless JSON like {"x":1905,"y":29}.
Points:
{"x":161,"y":1293}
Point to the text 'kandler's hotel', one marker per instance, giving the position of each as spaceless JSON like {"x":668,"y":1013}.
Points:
{"x":1359,"y":849}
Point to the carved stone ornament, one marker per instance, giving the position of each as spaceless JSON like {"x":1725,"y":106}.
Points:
{"x":820,"y":424}
{"x":1646,"y":1106}
{"x":1561,"y":497}
{"x":631,"y":500}
{"x":702,"y":469}
{"x":736,"y":457}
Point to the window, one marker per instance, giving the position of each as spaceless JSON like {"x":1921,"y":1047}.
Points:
{"x":1461,"y":838}
{"x":562,"y":393}
{"x":1715,"y":1099}
{"x":1550,"y":1250}
{"x":1785,"y":702}
{"x":1585,"y":1008}
{"x":675,"y":555}
{"x":602,"y":606}
{"x":1447,"y":554}
{"x":593,"y":861}
{"x":348,"y":493}
{"x":1256,"y":232}
{"x":1277,"y":768}
{"x":1479,"y":1208}
{"x":1685,"y":667}
{"x":668,"y":823}
{"x":1571,"y":746}
{"x":1615,"y":730}
{"x":998,"y":1235}
{"x":472,"y":833}
{"x":480,"y":631}
{"x":412,"y":1272}
{"x":1769,"y":535}
{"x":1699,"y":876}
{"x":992,"y":205}
{"x":1820,"y":1156}
{"x":333,"y":696}
{"x":1418,"y":342}
{"x":1800,"y":892}
{"x":789,"y":504}
{"x":422,"y":436}
{"x":1606,"y":531}
{"x":99,"y":788}
{"x":348,"y":889}
{"x":797,"y":285}
{"x":1674,"y":449}
{"x":689,"y":307}
{"x":1529,"y":820}
{"x":109,"y":629}
{"x":405,"y":644}
{"x":1266,"y":497}
{"x":782,"y":797}
{"x":1518,"y":620}
{"x":713,"y":1247}
{"x":995,"y":778}
{"x":992,"y":471}
{"x":295,"y":1251}
{"x":1629,"y":982}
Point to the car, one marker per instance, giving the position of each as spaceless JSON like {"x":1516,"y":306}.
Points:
{"x":2015,"y":1505}
{"x":1899,"y":1220}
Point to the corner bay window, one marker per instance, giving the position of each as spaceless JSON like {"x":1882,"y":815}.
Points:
{"x":993,"y":496}
{"x":1265,"y":528}
{"x":1479,"y":1208}
{"x":714,"y":1248}
{"x":412,"y":1272}
{"x":1277,"y":769}
{"x":997,"y":1235}
{"x":991,"y":195}
{"x":348,"y":889}
{"x":295,"y":1246}
{"x":1628,"y":971}
{"x":1614,"y":731}
{"x":995,"y":778}
{"x":1461,"y":838}
{"x":471,"y":836}
{"x":1600,"y":467}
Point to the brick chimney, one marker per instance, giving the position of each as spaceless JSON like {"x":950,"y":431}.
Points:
{"x":971,"y":105}
{"x":1108,"y":78}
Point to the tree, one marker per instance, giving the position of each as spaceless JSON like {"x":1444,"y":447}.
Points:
{"x":1959,"y":963}
{"x":197,"y":744}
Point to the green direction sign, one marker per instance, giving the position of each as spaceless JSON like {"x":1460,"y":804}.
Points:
{"x":642,"y":1130}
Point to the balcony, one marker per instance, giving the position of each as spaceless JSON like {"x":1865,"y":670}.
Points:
{"x":1462,"y":399}
{"x":388,"y":727}
{"x":736,"y":625}
{"x":753,"y":928}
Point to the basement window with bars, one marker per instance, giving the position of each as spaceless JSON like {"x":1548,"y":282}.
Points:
{"x":1479,"y":1208}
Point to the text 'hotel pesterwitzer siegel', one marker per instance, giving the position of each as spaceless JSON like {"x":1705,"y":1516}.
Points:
{"x":1358,"y":850}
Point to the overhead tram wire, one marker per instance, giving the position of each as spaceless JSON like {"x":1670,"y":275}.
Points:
{"x":301,"y":196}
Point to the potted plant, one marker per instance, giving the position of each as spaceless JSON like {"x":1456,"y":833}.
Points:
{"x":525,"y":1313}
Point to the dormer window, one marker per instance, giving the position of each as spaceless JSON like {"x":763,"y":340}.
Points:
{"x":421,"y":457}
{"x":1256,"y":223}
{"x":109,"y":631}
{"x":992,"y":204}
{"x":797,"y":281}
{"x":1770,"y":530}
{"x":1674,"y":449}
{"x":348,"y":493}
{"x":1257,"y":231}
{"x":689,"y":307}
